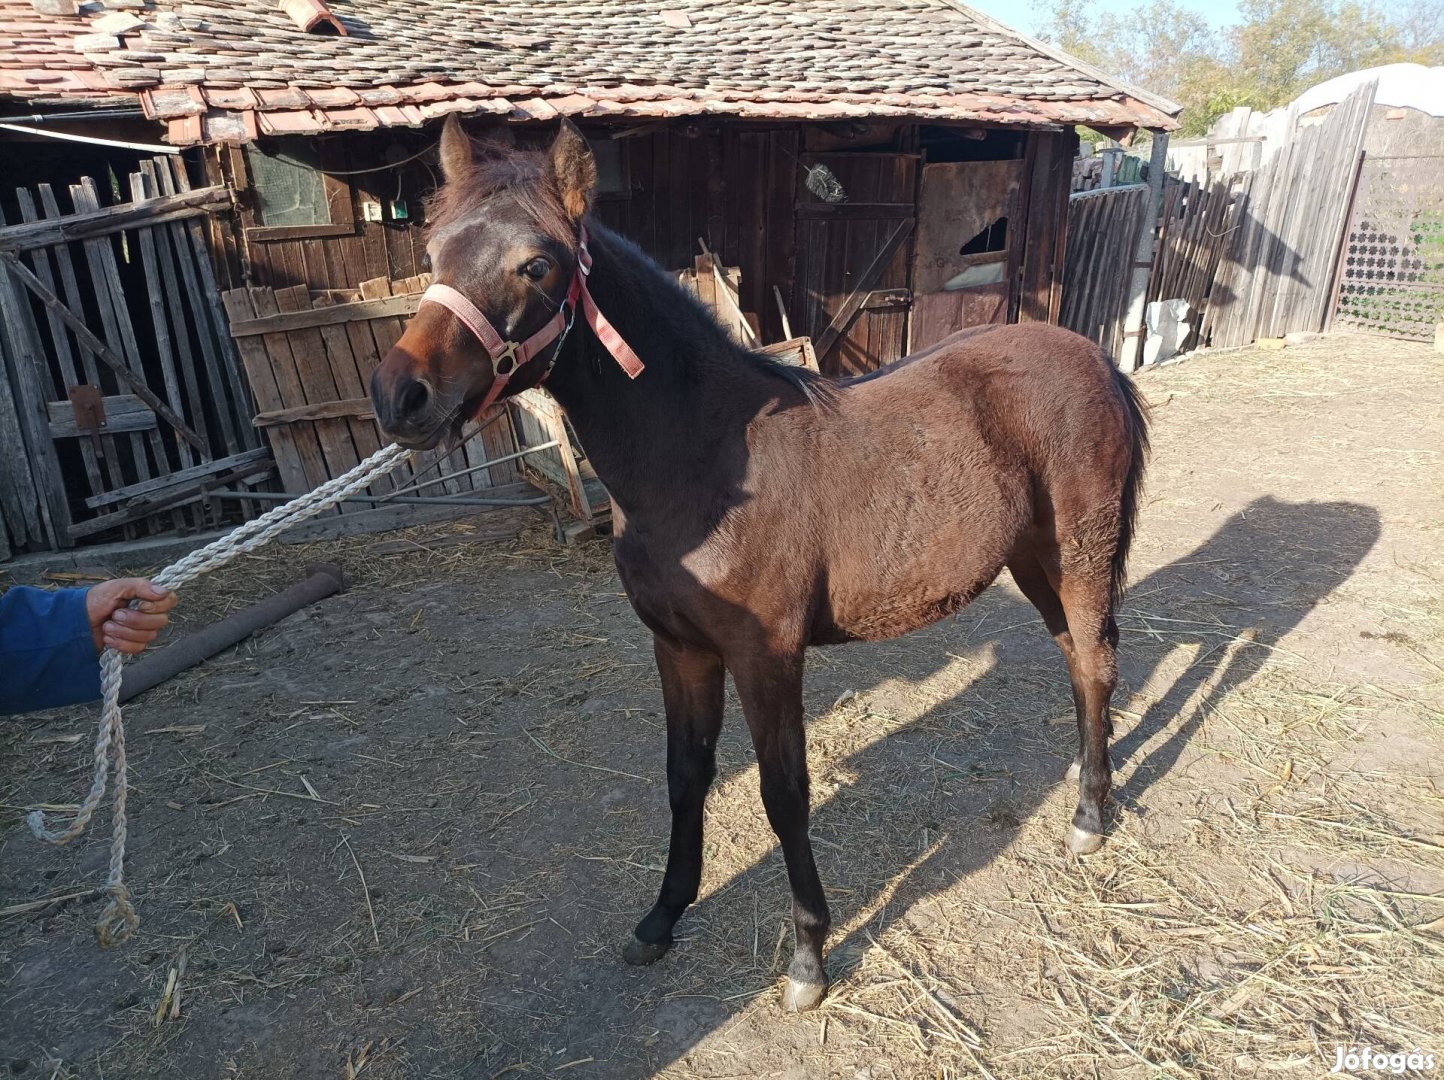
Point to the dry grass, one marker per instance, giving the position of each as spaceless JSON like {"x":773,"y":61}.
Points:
{"x":403,"y":838}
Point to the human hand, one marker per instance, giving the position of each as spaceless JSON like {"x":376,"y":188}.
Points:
{"x":125,"y":629}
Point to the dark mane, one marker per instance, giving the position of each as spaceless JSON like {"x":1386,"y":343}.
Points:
{"x":820,"y":390}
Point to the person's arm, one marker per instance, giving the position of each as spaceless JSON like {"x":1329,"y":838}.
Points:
{"x":47,"y":650}
{"x":50,"y":641}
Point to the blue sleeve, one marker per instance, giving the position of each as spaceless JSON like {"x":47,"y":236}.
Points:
{"x":47,"y":652}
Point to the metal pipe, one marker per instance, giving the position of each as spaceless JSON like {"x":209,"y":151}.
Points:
{"x":421,"y":500}
{"x":322,"y":581}
{"x":418,"y":485}
{"x":149,"y":148}
{"x":89,"y":114}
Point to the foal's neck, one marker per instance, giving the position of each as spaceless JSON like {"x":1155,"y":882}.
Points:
{"x":678,"y":431}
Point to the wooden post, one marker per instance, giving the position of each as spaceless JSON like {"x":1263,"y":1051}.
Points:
{"x":1132,"y":348}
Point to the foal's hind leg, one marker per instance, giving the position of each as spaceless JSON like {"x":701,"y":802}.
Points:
{"x":1034,"y":583}
{"x":1087,"y":601}
{"x":692,"y":684}
{"x":770,"y":687}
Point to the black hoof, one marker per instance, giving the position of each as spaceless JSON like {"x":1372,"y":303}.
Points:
{"x":640,"y":953}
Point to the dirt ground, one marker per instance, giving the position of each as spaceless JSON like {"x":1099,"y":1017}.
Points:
{"x":404,"y":833}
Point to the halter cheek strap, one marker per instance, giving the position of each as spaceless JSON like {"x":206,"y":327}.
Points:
{"x":508,"y":356}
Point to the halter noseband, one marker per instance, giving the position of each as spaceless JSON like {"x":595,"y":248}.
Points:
{"x":507,"y":357}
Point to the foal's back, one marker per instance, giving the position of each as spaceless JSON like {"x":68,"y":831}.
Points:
{"x":923,"y":479}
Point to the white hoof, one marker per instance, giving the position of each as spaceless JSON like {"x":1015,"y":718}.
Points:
{"x":1083,"y":843}
{"x":802,"y":997}
{"x":1075,"y":770}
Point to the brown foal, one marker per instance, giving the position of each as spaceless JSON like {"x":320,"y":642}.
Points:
{"x":762,"y":508}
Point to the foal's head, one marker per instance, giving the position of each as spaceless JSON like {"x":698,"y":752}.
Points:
{"x":503,"y":233}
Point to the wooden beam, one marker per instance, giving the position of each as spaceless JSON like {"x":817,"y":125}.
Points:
{"x":261,"y":458}
{"x":325,"y":410}
{"x":862,"y":290}
{"x":327,"y":316}
{"x":87,"y":338}
{"x":168,"y":500}
{"x":123,"y":412}
{"x":93,"y":223}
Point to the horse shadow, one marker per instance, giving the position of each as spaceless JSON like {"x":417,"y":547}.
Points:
{"x":998,"y":740}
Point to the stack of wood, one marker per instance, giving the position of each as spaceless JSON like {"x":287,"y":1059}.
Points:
{"x":718,"y":288}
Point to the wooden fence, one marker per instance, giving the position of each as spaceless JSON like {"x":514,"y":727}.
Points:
{"x":120,"y":396}
{"x":309,"y":363}
{"x":1277,"y":273}
{"x":1254,"y":254}
{"x":1195,"y":229}
{"x":1103,"y":227}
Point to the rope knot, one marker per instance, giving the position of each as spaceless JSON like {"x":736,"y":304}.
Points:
{"x":118,"y":921}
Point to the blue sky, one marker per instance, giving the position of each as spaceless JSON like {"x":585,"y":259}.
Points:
{"x":1025,"y":16}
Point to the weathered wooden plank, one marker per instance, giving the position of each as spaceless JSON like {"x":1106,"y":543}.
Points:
{"x":94,"y":221}
{"x":328,"y":316}
{"x":70,"y":369}
{"x":318,"y":383}
{"x":360,"y":407}
{"x":292,"y":390}
{"x":25,"y":364}
{"x":164,"y":348}
{"x":351,"y":384}
{"x":123,"y":412}
{"x":257,"y":361}
{"x":194,"y":295}
{"x":261,"y":456}
{"x":19,"y":500}
{"x":120,"y":337}
{"x":99,"y":348}
{"x":168,"y":501}
{"x":210,"y":316}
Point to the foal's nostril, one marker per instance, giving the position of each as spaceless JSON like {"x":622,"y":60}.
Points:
{"x":414,"y":400}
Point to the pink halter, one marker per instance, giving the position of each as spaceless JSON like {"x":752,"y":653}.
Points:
{"x":509,"y":356}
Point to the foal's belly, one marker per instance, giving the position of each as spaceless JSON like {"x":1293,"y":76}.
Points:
{"x":872,"y":615}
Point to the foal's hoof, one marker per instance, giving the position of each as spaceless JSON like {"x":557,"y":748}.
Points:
{"x":1083,"y":843}
{"x":803,"y":996}
{"x":640,"y":953}
{"x":1075,"y":770}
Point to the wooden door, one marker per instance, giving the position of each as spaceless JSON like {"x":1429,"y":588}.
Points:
{"x":966,"y":254}
{"x":851,"y":287}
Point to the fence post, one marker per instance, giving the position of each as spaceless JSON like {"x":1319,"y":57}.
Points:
{"x":1131,"y":350}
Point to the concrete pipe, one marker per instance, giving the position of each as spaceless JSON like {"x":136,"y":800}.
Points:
{"x":322,"y":581}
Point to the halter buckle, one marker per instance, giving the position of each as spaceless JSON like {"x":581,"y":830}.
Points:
{"x":507,"y":355}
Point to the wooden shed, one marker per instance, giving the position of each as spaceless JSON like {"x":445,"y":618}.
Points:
{"x":879,"y":173}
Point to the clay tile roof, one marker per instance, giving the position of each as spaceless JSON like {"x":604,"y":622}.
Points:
{"x":402,"y":61}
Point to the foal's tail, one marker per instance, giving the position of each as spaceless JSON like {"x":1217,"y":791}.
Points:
{"x":1135,"y":414}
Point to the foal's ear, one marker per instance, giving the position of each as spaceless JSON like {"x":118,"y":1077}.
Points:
{"x":457,"y":154}
{"x":571,"y":167}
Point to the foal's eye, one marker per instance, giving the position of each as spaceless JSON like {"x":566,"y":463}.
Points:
{"x":537,"y":268}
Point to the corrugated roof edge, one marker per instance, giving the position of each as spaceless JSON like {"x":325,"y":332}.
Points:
{"x":1170,"y":109}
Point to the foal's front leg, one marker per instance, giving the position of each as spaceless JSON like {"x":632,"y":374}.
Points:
{"x":770,"y":686}
{"x":692,"y":685}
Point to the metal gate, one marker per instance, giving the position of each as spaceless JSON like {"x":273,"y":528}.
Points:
{"x":1391,"y":266}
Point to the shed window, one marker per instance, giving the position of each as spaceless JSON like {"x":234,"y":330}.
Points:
{"x":612,"y":179}
{"x":289,"y":184}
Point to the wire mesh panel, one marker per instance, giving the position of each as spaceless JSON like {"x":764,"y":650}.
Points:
{"x":1391,"y":274}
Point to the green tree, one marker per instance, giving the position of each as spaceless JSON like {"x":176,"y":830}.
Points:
{"x":1277,"y":50}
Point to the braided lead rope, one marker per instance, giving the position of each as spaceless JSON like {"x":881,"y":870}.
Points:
{"x":119,"y":920}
